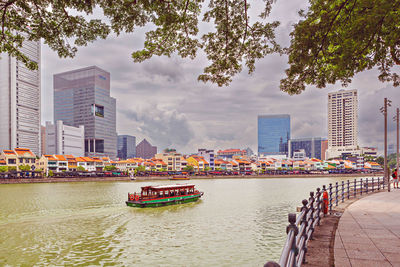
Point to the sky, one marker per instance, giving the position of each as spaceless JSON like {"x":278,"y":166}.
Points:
{"x":162,"y":101}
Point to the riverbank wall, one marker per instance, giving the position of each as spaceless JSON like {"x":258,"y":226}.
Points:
{"x":155,"y":178}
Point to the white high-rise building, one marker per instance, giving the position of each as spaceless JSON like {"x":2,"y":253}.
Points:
{"x":62,"y":139}
{"x":20,"y":100}
{"x":342,"y":124}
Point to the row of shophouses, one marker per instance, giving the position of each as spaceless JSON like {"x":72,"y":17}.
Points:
{"x":173,"y":162}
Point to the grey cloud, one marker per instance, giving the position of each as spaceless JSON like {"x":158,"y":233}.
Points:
{"x":167,"y":128}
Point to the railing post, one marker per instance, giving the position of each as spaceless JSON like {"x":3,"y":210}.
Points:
{"x":361,"y":185}
{"x":372,"y":184}
{"x":379,"y":184}
{"x":342,"y":191}
{"x":292,"y":225}
{"x":355,"y":188}
{"x":311,"y":210}
{"x":318,"y":205}
{"x":348,"y":189}
{"x":366,"y":184}
{"x":323,"y":202}
{"x":330,"y":198}
{"x":336,"y":193}
{"x":305,"y":222}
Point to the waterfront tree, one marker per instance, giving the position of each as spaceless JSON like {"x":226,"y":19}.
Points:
{"x":81,"y":169}
{"x":110,"y":168}
{"x":3,"y":168}
{"x":334,"y":40}
{"x":235,"y":40}
{"x":24,"y":167}
{"x":188,"y":168}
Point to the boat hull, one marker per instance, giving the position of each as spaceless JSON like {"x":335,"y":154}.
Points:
{"x":164,"y":202}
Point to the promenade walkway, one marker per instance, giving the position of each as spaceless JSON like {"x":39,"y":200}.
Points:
{"x":368,"y":232}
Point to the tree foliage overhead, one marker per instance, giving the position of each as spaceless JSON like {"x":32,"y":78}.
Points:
{"x":339,"y":38}
{"x":64,"y":25}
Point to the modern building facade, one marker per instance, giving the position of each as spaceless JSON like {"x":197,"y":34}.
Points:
{"x":324,"y":148}
{"x":208,"y":155}
{"x":273,"y":134}
{"x":145,"y":150}
{"x":20,"y":91}
{"x":342,"y":124}
{"x":43,"y":139}
{"x":126,"y":146}
{"x":82,"y":97}
{"x":63,"y":139}
{"x":311,"y":146}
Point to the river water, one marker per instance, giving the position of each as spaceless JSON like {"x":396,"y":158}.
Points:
{"x":238,"y":222}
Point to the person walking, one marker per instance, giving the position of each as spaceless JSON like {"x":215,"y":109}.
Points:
{"x":395,"y":179}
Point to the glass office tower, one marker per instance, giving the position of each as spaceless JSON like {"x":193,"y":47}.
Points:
{"x":126,"y":146}
{"x":273,"y":134}
{"x":82,"y":97}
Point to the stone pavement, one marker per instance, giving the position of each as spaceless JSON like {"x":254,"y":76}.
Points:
{"x":368,"y":233}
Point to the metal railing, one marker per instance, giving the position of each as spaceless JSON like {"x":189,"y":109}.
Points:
{"x":301,"y":227}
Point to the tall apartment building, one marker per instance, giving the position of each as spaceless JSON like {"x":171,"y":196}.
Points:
{"x":145,"y":150}
{"x":82,"y":97}
{"x":342,"y":124}
{"x":126,"y":146}
{"x":20,"y":91}
{"x":273,"y":134}
{"x":62,"y":139}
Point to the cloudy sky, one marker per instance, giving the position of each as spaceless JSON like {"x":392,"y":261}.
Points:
{"x":161,"y":99}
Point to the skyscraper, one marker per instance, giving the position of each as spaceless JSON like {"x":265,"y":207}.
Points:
{"x":342,"y":124}
{"x":126,"y":146}
{"x":20,"y":100}
{"x":273,"y":134}
{"x":82,"y":97}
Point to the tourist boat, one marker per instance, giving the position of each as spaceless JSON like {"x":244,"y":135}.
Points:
{"x":163,"y":195}
{"x":179,"y":177}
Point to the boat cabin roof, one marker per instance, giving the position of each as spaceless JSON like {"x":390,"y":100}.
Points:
{"x":167,"y":187}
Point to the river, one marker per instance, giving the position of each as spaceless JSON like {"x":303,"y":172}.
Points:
{"x":238,"y":222}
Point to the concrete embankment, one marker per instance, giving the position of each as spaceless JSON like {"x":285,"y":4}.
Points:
{"x":154,"y":178}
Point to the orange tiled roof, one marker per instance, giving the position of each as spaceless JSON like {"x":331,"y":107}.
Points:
{"x":96,"y":159}
{"x":69,"y":157}
{"x":22,"y":151}
{"x":2,"y":161}
{"x":60,"y":157}
{"x":9,"y":152}
{"x":50,"y":157}
{"x":84,"y":159}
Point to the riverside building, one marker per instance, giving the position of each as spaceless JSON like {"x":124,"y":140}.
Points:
{"x":342,"y":124}
{"x":273,"y":134}
{"x":20,"y":91}
{"x":82,"y":97}
{"x":62,"y":139}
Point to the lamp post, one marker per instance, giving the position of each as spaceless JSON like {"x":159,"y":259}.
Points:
{"x":387,"y":103}
{"x":396,"y":119}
